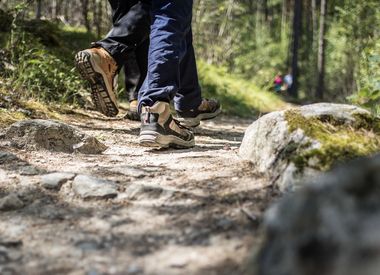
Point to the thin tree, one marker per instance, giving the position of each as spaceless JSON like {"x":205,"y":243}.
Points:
{"x":85,"y":7}
{"x":39,"y":9}
{"x":321,"y":51}
{"x":297,"y":32}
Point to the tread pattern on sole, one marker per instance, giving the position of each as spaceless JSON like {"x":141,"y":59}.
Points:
{"x":99,"y":94}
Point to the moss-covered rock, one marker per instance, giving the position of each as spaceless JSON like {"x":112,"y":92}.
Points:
{"x":303,"y":142}
{"x":339,"y":141}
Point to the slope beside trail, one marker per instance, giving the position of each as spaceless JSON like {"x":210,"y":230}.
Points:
{"x":178,"y":211}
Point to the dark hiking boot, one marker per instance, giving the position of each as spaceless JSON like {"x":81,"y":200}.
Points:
{"x":98,"y":67}
{"x":132,"y":113}
{"x":159,"y":129}
{"x":208,"y":109}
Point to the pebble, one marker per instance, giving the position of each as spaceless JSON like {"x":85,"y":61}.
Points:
{"x":29,"y":171}
{"x":129,"y":171}
{"x":55,"y":180}
{"x":88,"y":187}
{"x":10,"y":202}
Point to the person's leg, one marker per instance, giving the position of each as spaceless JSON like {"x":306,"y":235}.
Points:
{"x":100,"y":64}
{"x":189,"y":94}
{"x":177,"y":78}
{"x":131,"y":76}
{"x":131,"y":27}
{"x":140,"y":65}
{"x":141,"y":53}
{"x":188,"y":102}
{"x":171,"y":23}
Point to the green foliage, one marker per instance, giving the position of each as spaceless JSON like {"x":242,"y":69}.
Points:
{"x":42,"y":56}
{"x":352,"y":40}
{"x":45,"y":76}
{"x":369,"y":80}
{"x":5,"y":21}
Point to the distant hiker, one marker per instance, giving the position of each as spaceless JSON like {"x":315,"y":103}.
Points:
{"x":288,"y":81}
{"x":125,"y":45}
{"x":171,"y":75}
{"x":278,"y":83}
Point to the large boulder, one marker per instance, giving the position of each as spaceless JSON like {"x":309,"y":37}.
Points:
{"x":297,"y":144}
{"x":52,"y":135}
{"x":330,"y":227}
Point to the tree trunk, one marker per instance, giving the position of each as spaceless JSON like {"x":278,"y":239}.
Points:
{"x":297,"y":28}
{"x":99,"y":20}
{"x":39,"y":9}
{"x":283,"y":20}
{"x":54,"y":9}
{"x":321,"y":51}
{"x":84,"y":4}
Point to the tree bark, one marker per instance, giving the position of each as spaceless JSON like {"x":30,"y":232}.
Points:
{"x":297,"y":31}
{"x":84,"y":4}
{"x":39,"y":9}
{"x":321,"y":51}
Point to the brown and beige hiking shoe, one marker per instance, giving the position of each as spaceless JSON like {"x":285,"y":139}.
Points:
{"x":208,"y":109}
{"x":159,"y":129}
{"x":132,"y":113}
{"x":98,"y":67}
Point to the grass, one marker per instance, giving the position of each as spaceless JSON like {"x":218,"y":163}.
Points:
{"x":238,"y":96}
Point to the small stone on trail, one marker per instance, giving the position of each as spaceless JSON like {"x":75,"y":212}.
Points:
{"x":10,"y":202}
{"x":129,"y":171}
{"x":29,"y":171}
{"x":55,"y":180}
{"x":93,"y":188}
{"x":6,"y":158}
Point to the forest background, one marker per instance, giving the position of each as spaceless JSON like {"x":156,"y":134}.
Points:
{"x":332,"y":48}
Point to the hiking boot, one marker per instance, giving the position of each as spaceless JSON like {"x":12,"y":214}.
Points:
{"x":132,"y":113}
{"x":98,"y":67}
{"x":159,"y":129}
{"x":208,"y":109}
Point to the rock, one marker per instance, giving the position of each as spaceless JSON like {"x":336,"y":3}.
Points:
{"x":55,"y":180}
{"x":129,"y":171}
{"x":293,"y":145}
{"x":92,"y":188}
{"x":29,"y":170}
{"x":6,"y":158}
{"x":11,"y":202}
{"x":52,"y":135}
{"x":331,"y":226}
{"x":149,"y":192}
{"x":4,"y":178}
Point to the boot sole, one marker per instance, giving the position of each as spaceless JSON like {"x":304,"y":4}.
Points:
{"x":194,"y":122}
{"x":99,"y":93}
{"x":156,"y":140}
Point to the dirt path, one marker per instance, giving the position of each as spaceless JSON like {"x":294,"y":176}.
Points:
{"x":177,"y":212}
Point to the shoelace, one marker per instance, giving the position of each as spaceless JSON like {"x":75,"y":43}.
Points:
{"x":180,"y":125}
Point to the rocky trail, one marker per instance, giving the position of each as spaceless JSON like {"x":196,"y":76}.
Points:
{"x":131,"y":210}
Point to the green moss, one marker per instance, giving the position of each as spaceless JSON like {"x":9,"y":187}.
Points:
{"x":339,"y":142}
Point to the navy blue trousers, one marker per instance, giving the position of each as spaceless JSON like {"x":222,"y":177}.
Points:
{"x":172,"y":71}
